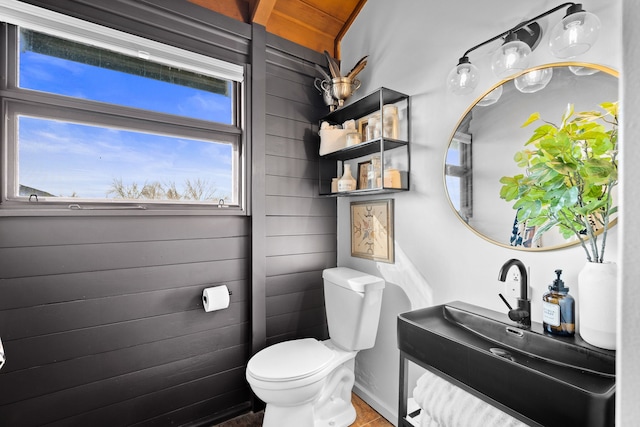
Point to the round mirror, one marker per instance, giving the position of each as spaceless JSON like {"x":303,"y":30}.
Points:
{"x":490,"y":133}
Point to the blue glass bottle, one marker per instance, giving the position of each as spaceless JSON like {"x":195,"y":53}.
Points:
{"x":558,"y":309}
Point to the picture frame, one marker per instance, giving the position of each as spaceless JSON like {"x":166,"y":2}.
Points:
{"x":362,"y":124}
{"x":363,"y":175}
{"x":372,"y":230}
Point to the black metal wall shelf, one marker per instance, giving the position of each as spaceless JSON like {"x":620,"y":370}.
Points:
{"x":331,"y":165}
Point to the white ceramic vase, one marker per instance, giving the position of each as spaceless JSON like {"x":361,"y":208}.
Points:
{"x":597,"y":303}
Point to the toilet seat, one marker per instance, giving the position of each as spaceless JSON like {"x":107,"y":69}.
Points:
{"x":290,"y":360}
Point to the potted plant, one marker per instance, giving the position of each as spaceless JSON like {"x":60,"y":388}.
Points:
{"x":571,"y":170}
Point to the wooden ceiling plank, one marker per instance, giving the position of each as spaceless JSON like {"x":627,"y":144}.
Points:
{"x":340,"y":9}
{"x":300,"y":34}
{"x":262,"y":11}
{"x":330,"y":29}
{"x":310,"y":16}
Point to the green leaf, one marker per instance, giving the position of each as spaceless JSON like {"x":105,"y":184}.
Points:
{"x":540,"y":231}
{"x":611,"y":108}
{"x":532,"y":118}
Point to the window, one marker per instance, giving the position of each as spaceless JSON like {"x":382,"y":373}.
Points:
{"x":458,"y":176}
{"x":94,"y":122}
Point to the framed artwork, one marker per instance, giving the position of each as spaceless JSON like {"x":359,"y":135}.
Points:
{"x":363,"y":174}
{"x":372,"y":230}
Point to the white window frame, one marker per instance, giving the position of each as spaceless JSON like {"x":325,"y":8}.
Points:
{"x":23,"y":101}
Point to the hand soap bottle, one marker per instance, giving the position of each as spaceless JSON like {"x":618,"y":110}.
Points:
{"x":558,"y":309}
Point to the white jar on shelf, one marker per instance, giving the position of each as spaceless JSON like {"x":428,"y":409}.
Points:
{"x":390,"y":118}
{"x":373,"y":128}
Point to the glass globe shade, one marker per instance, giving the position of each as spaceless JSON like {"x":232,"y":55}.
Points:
{"x":510,"y":58}
{"x":533,"y":81}
{"x":491,"y":98}
{"x":463,"y":79}
{"x":583,"y":71}
{"x":574,"y":35}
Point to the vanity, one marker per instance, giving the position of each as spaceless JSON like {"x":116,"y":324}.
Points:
{"x":538,"y":378}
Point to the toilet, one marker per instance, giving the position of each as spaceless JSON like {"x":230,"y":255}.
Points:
{"x":306,"y":382}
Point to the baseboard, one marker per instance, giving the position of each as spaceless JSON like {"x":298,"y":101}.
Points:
{"x":391,"y":414}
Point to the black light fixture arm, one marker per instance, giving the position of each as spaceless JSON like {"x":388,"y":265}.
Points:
{"x":573,"y":7}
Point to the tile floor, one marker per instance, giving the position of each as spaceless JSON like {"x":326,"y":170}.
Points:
{"x":366,"y":417}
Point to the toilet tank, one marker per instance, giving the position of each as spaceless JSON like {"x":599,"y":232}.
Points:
{"x":352,"y":300}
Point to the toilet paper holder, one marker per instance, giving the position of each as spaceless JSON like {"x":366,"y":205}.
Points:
{"x":216,"y":298}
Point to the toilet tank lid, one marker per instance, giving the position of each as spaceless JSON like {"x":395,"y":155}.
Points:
{"x":352,"y":279}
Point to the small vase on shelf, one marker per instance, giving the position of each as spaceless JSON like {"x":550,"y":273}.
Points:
{"x":347,"y":182}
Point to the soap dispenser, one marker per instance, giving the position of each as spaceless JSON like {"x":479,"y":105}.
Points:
{"x":558,"y":309}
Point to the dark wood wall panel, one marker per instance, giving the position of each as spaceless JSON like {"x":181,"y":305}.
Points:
{"x":309,"y":225}
{"x":54,"y":259}
{"x":86,"y":230}
{"x":293,"y":187}
{"x":293,"y":282}
{"x":305,"y":300}
{"x":77,"y":343}
{"x":92,"y":326}
{"x":159,"y":403}
{"x":292,"y":168}
{"x":293,"y":149}
{"x":310,"y":244}
{"x":53,"y":382}
{"x":282,"y":265}
{"x":199,"y":413}
{"x":292,"y":324}
{"x":33,"y":291}
{"x":300,"y":225}
{"x":81,"y":314}
{"x":77,"y":402}
{"x":300,"y":206}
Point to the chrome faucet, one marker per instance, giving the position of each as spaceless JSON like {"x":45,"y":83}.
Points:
{"x":522,"y":314}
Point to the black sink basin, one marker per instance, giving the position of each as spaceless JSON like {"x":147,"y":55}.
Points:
{"x":540,"y":378}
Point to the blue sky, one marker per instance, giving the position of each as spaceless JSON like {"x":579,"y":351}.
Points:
{"x":62,"y":158}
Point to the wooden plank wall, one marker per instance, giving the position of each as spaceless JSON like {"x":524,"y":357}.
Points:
{"x":300,"y":225}
{"x":103,"y":324}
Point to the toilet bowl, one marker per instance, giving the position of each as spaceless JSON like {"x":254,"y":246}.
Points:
{"x":308,"y":383}
{"x":304,"y":382}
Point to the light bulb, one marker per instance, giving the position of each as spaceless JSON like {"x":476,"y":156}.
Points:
{"x":510,"y":58}
{"x":463,"y":79}
{"x":575,"y":34}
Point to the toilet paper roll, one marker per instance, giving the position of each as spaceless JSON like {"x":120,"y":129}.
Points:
{"x":215,"y":298}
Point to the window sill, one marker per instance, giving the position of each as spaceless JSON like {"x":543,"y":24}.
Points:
{"x":21,"y":209}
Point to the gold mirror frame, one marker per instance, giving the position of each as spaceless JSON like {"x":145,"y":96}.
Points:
{"x":601,"y":68}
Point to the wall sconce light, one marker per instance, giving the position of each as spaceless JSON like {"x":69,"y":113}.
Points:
{"x":572,"y":36}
